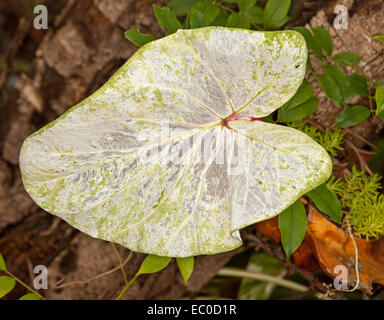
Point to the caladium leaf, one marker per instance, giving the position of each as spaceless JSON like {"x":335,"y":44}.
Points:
{"x":164,"y":158}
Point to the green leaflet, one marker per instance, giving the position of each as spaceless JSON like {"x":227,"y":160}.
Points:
{"x":2,"y":263}
{"x":324,"y":40}
{"x":153,"y":264}
{"x":181,"y":7}
{"x":330,"y":88}
{"x":380,"y":38}
{"x":275,"y":13}
{"x":311,"y":41}
{"x":347,"y":58}
{"x":235,"y":20}
{"x":186,"y":266}
{"x":167,"y":19}
{"x":245,"y":5}
{"x":138,"y":38}
{"x":29,"y":296}
{"x":254,"y":15}
{"x":359,"y":85}
{"x":164,"y":159}
{"x":352,"y":116}
{"x":379,"y":97}
{"x":339,"y":76}
{"x":301,"y":105}
{"x":6,"y":285}
{"x":378,"y":83}
{"x":203,"y":14}
{"x":293,"y":226}
{"x":326,"y":202}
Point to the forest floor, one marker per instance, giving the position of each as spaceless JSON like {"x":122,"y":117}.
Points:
{"x":44,"y":72}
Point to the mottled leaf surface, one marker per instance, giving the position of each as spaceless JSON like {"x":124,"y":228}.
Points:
{"x":163,"y":159}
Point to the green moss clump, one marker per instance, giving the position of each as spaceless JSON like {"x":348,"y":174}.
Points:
{"x":362,"y":202}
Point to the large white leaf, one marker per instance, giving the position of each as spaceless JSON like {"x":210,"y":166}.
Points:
{"x":163,"y":159}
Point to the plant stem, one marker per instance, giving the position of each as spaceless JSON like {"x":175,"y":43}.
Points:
{"x":120,"y":262}
{"x":233,"y":272}
{"x":361,"y":71}
{"x":126,"y":287}
{"x":24,"y":285}
{"x":217,"y":3}
{"x":370,"y":102}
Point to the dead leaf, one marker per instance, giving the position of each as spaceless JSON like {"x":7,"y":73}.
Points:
{"x":334,"y":247}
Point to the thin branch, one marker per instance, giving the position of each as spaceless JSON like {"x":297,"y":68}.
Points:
{"x":363,"y":163}
{"x":120,"y":261}
{"x":239,"y":273}
{"x":80,"y":282}
{"x":356,"y":135}
{"x":24,"y":285}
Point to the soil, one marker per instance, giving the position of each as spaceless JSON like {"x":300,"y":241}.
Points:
{"x":83,"y":46}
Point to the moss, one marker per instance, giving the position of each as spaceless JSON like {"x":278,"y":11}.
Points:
{"x":362,"y":202}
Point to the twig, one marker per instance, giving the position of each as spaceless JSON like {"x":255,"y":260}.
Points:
{"x":80,"y":282}
{"x":349,"y":230}
{"x":24,"y":285}
{"x":121,"y":262}
{"x":239,"y":273}
{"x":316,"y":125}
{"x":356,"y":135}
{"x":363,"y":163}
{"x":309,"y":276}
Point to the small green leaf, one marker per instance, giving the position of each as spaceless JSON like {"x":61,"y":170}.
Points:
{"x":379,"y":96}
{"x":6,"y":285}
{"x":268,"y":118}
{"x":323,"y":39}
{"x":138,"y":38}
{"x":359,"y":85}
{"x":3,"y":266}
{"x":309,"y":64}
{"x":186,"y":23}
{"x":304,"y":92}
{"x":29,"y":296}
{"x":181,"y":7}
{"x":301,"y":105}
{"x":203,"y":14}
{"x":237,"y":21}
{"x":311,"y":41}
{"x":152,"y":264}
{"x":254,"y":15}
{"x":380,"y":38}
{"x":326,"y":202}
{"x":186,"y":267}
{"x":196,"y":19}
{"x":221,"y":19}
{"x":330,"y":88}
{"x":378,"y":83}
{"x":275,"y":13}
{"x":303,"y":110}
{"x":167,"y":19}
{"x":352,"y":116}
{"x":347,"y":58}
{"x":293,"y":226}
{"x":245,"y":5}
{"x":341,"y":78}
